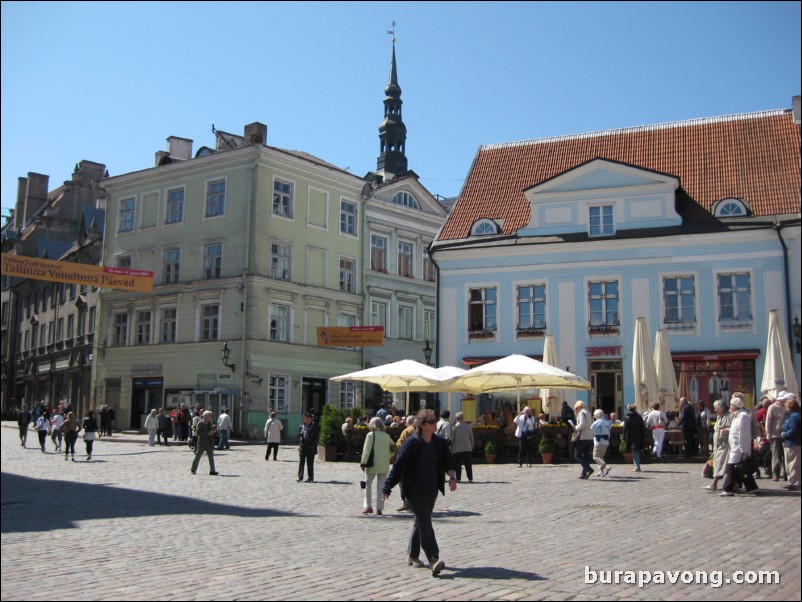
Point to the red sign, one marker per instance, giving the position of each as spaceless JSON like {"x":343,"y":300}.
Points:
{"x":614,"y":351}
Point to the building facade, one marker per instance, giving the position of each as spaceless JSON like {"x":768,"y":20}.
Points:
{"x":48,"y":327}
{"x":252,"y":247}
{"x":693,"y":225}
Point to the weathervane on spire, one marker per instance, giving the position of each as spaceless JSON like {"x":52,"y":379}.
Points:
{"x":392,"y":32}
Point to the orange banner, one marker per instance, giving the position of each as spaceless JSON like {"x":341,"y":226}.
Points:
{"x":350,"y":336}
{"x":76,"y":273}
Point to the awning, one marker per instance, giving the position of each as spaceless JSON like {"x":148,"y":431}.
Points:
{"x":715,"y":356}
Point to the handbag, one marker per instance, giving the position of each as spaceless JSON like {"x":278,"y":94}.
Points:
{"x":575,"y":436}
{"x":89,"y":435}
{"x":372,"y":448}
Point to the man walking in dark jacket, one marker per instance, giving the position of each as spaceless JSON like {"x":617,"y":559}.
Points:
{"x":687,"y":422}
{"x":307,"y":448}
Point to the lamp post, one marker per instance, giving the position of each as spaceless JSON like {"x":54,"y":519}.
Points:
{"x":427,"y":353}
{"x":225,"y":352}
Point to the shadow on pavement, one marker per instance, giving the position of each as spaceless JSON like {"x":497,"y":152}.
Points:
{"x":23,"y":498}
{"x":488,"y":572}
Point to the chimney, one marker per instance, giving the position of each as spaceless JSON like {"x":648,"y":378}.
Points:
{"x":255,"y":133}
{"x":796,"y":109}
{"x":35,"y":195}
{"x":179,"y":148}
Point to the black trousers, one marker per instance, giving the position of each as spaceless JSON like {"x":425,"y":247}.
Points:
{"x":274,"y":448}
{"x":309,"y":459}
{"x":737,"y":473}
{"x":524,"y":449}
{"x":422,"y":536}
{"x":461,"y":458}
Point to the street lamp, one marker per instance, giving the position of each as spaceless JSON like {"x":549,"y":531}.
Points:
{"x":427,"y":353}
{"x":796,"y":330}
{"x":224,"y":358}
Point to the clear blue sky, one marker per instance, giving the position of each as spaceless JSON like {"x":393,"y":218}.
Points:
{"x":110,"y":81}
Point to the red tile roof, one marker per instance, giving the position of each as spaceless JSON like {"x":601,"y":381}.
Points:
{"x":754,"y":157}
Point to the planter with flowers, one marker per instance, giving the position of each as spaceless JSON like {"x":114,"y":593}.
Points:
{"x":490,"y":452}
{"x":546,"y":448}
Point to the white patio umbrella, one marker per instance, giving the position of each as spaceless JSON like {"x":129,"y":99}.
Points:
{"x":552,"y":398}
{"x":518,"y":372}
{"x":449,"y":374}
{"x":644,"y":375}
{"x":778,"y":370}
{"x":667,"y":387}
{"x":403,"y":376}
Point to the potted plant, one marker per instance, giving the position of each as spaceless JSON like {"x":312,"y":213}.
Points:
{"x":546,"y":448}
{"x":624,"y":449}
{"x":490,"y":452}
{"x":331,"y":435}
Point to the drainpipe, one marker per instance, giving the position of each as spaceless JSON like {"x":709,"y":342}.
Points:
{"x":778,"y":229}
{"x":437,"y":311}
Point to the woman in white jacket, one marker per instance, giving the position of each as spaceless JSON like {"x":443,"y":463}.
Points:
{"x":273,"y":428}
{"x":740,"y":440}
{"x":152,"y":427}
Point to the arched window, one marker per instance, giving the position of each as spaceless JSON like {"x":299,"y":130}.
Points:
{"x":406,"y":199}
{"x":484,"y":227}
{"x":731,"y":208}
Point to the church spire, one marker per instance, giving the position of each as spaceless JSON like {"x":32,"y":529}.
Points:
{"x":392,"y":131}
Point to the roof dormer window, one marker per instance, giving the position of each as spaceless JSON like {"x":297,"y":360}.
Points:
{"x":484,"y":227}
{"x":731,"y":208}
{"x":406,"y":200}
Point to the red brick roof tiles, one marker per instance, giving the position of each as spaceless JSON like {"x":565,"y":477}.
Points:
{"x":754,"y":157}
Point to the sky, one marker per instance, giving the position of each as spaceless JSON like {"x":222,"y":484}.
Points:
{"x":110,"y":81}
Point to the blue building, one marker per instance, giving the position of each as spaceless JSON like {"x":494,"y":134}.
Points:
{"x":694,"y":225}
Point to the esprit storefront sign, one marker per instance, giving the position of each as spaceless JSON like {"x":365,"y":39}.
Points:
{"x":603,"y":351}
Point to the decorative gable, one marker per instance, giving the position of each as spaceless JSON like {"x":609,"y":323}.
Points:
{"x":600,"y":198}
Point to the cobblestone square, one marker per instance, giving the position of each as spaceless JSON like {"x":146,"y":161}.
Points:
{"x":134,"y":524}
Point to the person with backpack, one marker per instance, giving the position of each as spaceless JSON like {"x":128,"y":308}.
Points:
{"x":444,"y":427}
{"x":204,"y":430}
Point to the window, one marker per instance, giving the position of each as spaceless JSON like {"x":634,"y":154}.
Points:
{"x":532,"y":306}
{"x":378,"y":314}
{"x":280,"y":261}
{"x":212,"y":260}
{"x":282,"y":198}
{"x":168,"y":323}
{"x":429,"y":271}
{"x":484,"y":227}
{"x":70,"y":326}
{"x":143,"y":327}
{"x":279,"y":323}
{"x":127,"y":210}
{"x":482,"y":309}
{"x":407,"y":200}
{"x":347,"y":394}
{"x":172,"y":265}
{"x":601,"y":221}
{"x":175,"y":206}
{"x":278,"y":392}
{"x":734,"y":299}
{"x":405,"y":259}
{"x":92,"y":317}
{"x":428,"y":325}
{"x":378,"y":253}
{"x":120,"y":330}
{"x":347,"y":275}
{"x":82,"y":322}
{"x":210,"y":322}
{"x":679,"y":296}
{"x":124,"y":262}
{"x":603,"y":302}
{"x":348,"y":214}
{"x":60,"y":330}
{"x":215,"y":198}
{"x":406,"y":321}
{"x":731,"y":208}
{"x":51,"y":332}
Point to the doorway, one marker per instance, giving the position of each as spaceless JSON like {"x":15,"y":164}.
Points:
{"x":313,"y":395}
{"x":146,"y":395}
{"x":606,"y":380}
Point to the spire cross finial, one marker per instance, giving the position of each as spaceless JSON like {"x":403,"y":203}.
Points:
{"x":392,"y":32}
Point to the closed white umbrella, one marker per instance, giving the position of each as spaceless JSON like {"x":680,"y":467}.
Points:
{"x":552,"y":398}
{"x":778,"y":370}
{"x":518,"y":372}
{"x":644,"y":375}
{"x":667,"y":387}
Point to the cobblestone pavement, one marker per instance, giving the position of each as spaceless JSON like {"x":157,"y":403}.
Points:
{"x":134,"y":524}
